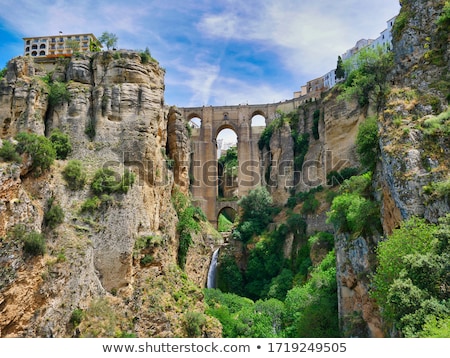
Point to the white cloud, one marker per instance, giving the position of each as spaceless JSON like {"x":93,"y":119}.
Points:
{"x":198,"y":77}
{"x":307,"y":35}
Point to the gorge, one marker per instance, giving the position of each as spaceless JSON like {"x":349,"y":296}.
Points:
{"x":106,"y":232}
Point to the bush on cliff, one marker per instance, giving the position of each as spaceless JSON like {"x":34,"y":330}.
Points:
{"x":74,"y":174}
{"x":40,"y":148}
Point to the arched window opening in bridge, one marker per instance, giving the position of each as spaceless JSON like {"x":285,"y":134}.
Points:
{"x":227,"y":164}
{"x":258,"y":121}
{"x":195,"y":122}
{"x":226,"y":219}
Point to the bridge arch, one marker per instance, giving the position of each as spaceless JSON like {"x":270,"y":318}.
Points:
{"x":258,"y":119}
{"x":227,"y":126}
{"x":204,"y":159}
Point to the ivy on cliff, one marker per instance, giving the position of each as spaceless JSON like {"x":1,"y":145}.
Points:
{"x":189,"y":218}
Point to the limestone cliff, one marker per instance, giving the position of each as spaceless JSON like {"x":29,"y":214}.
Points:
{"x":121,"y":257}
{"x":412,"y":157}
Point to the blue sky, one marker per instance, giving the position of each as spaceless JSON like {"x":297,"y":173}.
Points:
{"x":215,"y":52}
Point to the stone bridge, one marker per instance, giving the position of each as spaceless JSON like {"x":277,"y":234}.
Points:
{"x":204,"y":172}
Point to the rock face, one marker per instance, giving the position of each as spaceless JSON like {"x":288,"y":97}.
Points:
{"x":410,"y":160}
{"x":113,"y":109}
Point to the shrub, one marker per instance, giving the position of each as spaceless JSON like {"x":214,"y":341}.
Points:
{"x":91,"y":204}
{"x":414,"y":236}
{"x":18,"y":232}
{"x":74,"y":175}
{"x":354,"y":214}
{"x":107,"y":181}
{"x":76,"y":317}
{"x":8,"y":152}
{"x":301,"y":145}
{"x":61,"y":143}
{"x":146,"y":260}
{"x":34,"y":244}
{"x":127,"y":181}
{"x":187,"y":224}
{"x":312,"y":308}
{"x":310,"y":205}
{"x":193,"y":323}
{"x":444,"y":19}
{"x":54,"y":216}
{"x":58,"y":93}
{"x":146,"y":57}
{"x":3,"y":73}
{"x":367,"y":143}
{"x":39,"y":148}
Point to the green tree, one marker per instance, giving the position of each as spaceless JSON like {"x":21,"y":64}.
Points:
{"x":108,"y":39}
{"x":367,"y":76}
{"x":340,"y":71}
{"x":353,"y":210}
{"x":39,"y":148}
{"x":414,"y":236}
{"x":312,"y":309}
{"x":257,"y":212}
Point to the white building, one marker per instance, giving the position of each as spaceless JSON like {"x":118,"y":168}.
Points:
{"x":60,"y":45}
{"x":313,"y":88}
{"x":385,"y":38}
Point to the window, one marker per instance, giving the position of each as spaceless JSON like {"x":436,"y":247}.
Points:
{"x":42,"y":46}
{"x":42,"y":53}
{"x":34,"y":47}
{"x":34,"y":53}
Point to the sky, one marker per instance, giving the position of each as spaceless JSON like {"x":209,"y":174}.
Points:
{"x":215,"y":52}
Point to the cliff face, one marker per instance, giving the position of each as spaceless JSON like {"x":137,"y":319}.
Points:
{"x":113,"y":109}
{"x":412,"y":157}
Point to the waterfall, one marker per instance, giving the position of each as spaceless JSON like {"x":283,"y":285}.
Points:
{"x":211,"y":282}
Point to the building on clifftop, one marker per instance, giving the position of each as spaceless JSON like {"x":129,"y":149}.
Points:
{"x":60,"y":45}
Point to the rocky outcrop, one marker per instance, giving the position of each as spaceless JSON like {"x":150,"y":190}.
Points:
{"x":112,"y":106}
{"x":359,"y":314}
